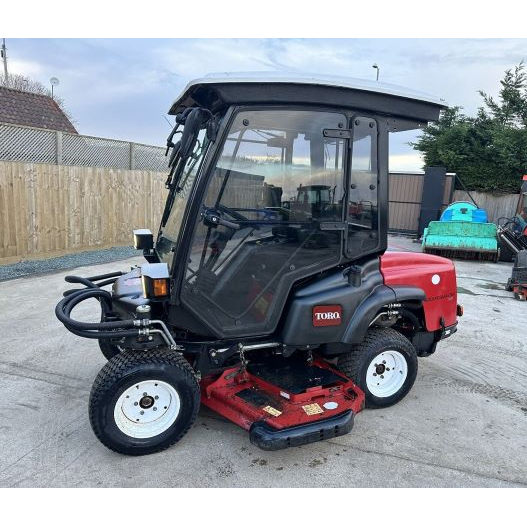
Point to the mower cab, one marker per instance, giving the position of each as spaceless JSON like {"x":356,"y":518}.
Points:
{"x":268,"y":294}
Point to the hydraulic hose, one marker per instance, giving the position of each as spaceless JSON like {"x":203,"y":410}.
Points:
{"x":66,"y":305}
{"x":410,"y":316}
{"x":94,"y":330}
{"x":104,"y":276}
{"x":79,"y":280}
{"x":104,"y":334}
{"x":90,"y":282}
{"x":106,"y":329}
{"x":91,"y":286}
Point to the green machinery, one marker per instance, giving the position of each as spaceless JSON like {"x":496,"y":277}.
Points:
{"x":463,"y":231}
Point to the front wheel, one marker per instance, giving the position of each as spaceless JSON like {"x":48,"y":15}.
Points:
{"x":383,"y":365}
{"x":143,"y":401}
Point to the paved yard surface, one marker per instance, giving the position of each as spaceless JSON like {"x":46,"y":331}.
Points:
{"x":463,"y":424}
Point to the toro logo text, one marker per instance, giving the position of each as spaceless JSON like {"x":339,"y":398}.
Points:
{"x":327,"y":315}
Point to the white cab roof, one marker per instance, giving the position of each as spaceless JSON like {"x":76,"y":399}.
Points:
{"x":320,"y":80}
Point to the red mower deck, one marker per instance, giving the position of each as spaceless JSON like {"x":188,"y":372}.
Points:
{"x":285,"y":403}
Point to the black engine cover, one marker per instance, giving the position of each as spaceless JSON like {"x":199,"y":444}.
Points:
{"x":335,"y":292}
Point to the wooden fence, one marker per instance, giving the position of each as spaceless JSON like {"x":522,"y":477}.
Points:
{"x":48,"y":210}
{"x":405,"y":197}
{"x":496,"y":205}
{"x":54,"y":209}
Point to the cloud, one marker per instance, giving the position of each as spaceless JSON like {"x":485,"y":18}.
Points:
{"x":28,"y":68}
{"x":122,"y":87}
{"x":413,"y":162}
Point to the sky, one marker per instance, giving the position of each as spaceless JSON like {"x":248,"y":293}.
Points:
{"x":122,"y":88}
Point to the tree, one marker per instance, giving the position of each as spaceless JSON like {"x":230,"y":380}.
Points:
{"x":23,"y":83}
{"x":488,"y":151}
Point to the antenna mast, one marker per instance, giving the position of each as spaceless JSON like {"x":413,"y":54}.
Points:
{"x":4,"y":58}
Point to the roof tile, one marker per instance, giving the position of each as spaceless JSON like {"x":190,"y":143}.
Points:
{"x":31,"y":109}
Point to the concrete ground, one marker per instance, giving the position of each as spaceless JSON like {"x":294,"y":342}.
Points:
{"x":463,"y":424}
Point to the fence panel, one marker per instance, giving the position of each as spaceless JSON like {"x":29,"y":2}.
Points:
{"x":147,"y":157}
{"x":496,"y":205}
{"x":20,"y":143}
{"x":405,"y":194}
{"x":38,"y":145}
{"x":49,"y":209}
{"x":80,"y":150}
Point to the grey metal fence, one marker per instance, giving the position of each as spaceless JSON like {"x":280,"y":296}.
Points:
{"x":38,"y":145}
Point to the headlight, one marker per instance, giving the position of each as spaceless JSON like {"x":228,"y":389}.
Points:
{"x":143,"y":239}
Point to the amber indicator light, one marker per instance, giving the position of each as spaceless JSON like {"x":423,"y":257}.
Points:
{"x":160,"y":287}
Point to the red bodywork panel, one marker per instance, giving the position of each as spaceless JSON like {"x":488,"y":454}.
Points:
{"x":436,"y":276}
{"x":284,"y":409}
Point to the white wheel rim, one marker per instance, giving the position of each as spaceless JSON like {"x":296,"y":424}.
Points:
{"x":146,"y":409}
{"x":386,"y":373}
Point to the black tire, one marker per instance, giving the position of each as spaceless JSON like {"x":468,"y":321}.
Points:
{"x":108,"y":349}
{"x":519,"y":296}
{"x":355,"y":363}
{"x":127,"y":370}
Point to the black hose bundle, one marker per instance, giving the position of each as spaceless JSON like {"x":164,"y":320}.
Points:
{"x":93,"y":330}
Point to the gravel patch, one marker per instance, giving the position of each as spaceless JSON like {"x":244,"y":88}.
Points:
{"x":69,"y":261}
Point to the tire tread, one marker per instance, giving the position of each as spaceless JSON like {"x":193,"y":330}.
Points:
{"x":122,"y":363}
{"x":351,"y":363}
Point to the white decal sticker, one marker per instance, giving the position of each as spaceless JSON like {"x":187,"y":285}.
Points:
{"x":272,"y":411}
{"x":436,"y":279}
{"x":312,"y":409}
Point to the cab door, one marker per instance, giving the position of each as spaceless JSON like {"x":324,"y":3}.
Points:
{"x":264,"y":224}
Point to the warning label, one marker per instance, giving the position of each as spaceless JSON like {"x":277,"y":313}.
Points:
{"x":312,"y":409}
{"x":272,"y":411}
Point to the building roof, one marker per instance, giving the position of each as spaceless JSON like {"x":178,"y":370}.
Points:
{"x":31,"y":109}
{"x":317,"y":80}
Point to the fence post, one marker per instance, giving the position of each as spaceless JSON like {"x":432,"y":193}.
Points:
{"x":59,"y":148}
{"x":132,"y":153}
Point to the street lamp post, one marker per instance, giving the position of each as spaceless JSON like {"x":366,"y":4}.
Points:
{"x":375,"y":66}
{"x":54,"y":82}
{"x":4,"y":59}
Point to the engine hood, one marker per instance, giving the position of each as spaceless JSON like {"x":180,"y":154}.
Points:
{"x":434,"y":275}
{"x":397,"y":266}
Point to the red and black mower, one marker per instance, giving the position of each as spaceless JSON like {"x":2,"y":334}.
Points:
{"x":267,"y":294}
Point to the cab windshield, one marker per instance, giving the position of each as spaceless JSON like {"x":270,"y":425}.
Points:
{"x":169,"y":232}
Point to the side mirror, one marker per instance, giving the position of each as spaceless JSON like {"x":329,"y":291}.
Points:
{"x":193,"y":124}
{"x":175,"y":151}
{"x":143,"y":239}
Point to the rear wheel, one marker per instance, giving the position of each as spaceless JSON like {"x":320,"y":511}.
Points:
{"x":520,"y":294}
{"x":143,"y":402}
{"x":383,"y":365}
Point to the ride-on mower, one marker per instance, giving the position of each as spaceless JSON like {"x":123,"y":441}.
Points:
{"x":463,"y":231}
{"x":512,"y":233}
{"x":263,"y":296}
